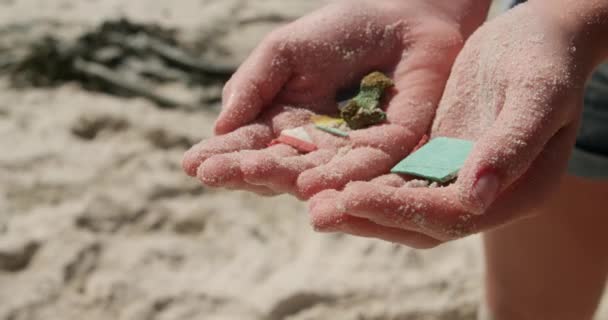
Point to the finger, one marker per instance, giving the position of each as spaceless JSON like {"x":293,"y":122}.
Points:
{"x":381,"y":205}
{"x":375,"y":199}
{"x":365,"y":228}
{"x":259,"y":190}
{"x":507,"y":149}
{"x":255,"y":84}
{"x":401,"y":180}
{"x":324,"y":218}
{"x":357,"y":164}
{"x":255,"y":136}
{"x":322,"y":210}
{"x":280,"y":173}
{"x":283,"y":117}
{"x":225,"y":170}
{"x":390,"y":180}
{"x":435,"y":212}
{"x":395,"y":140}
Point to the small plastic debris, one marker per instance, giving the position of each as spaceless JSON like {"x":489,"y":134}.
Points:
{"x":440,"y":160}
{"x":335,"y":126}
{"x":334,"y":131}
{"x":297,"y":138}
{"x":417,"y":184}
{"x":364,"y":110}
{"x":327,"y":121}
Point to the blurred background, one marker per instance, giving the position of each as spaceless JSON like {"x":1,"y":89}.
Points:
{"x":98,"y":101}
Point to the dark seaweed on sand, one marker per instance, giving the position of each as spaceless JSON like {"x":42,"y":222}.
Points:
{"x":118,"y":57}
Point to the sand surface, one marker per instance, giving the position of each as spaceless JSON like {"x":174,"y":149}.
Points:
{"x":111,"y":228}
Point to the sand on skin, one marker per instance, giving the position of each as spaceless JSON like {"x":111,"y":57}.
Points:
{"x":112,"y":227}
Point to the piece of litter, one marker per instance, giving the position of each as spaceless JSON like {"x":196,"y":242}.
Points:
{"x":297,"y":133}
{"x":417,"y":184}
{"x":364,"y":110}
{"x":334,"y":131}
{"x":439,"y":160}
{"x":297,"y":138}
{"x":327,"y":121}
{"x":335,"y":126}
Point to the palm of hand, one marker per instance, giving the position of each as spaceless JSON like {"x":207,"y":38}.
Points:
{"x":297,"y":72}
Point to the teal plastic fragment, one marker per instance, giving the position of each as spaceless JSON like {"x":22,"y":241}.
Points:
{"x":439,"y":160}
{"x":333,"y":131}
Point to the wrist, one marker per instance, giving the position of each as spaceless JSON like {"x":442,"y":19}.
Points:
{"x":585,"y":23}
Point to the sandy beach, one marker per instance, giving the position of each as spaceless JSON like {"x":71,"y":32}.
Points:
{"x":107,"y":226}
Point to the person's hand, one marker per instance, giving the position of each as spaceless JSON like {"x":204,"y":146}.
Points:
{"x":516,"y":89}
{"x":299,"y":70}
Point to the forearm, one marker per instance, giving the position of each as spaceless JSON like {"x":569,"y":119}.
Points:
{"x":585,"y":21}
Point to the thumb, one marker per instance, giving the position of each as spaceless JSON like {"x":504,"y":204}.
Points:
{"x":254,"y":85}
{"x":505,"y":152}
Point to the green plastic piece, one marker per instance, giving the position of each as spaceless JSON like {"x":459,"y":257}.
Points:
{"x":439,"y":160}
{"x":364,"y":109}
{"x":333,"y":131}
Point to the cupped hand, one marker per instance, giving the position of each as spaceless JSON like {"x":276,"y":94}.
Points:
{"x":516,"y":90}
{"x":299,"y":70}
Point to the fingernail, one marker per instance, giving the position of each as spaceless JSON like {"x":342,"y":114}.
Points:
{"x":486,"y":189}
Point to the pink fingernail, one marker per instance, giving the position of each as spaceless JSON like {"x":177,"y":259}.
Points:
{"x":486,"y":189}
